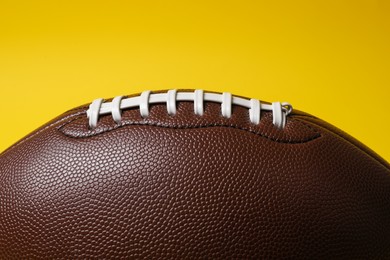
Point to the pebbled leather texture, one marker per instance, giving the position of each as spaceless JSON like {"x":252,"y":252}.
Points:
{"x":186,"y":186}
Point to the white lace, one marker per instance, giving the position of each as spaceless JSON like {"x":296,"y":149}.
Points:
{"x":99,"y":107}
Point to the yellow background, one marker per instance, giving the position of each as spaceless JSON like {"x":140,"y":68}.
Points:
{"x":328,"y":58}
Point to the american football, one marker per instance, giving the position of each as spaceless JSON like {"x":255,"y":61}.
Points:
{"x":192,"y":174}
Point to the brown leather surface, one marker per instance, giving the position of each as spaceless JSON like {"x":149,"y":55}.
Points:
{"x":192,"y":187}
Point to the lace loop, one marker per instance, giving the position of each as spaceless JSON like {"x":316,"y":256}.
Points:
{"x":278,"y":116}
{"x":198,"y":102}
{"x":144,"y":103}
{"x":226,"y":107}
{"x":116,"y":109}
{"x":94,"y":115}
{"x":254,"y":111}
{"x":171,"y":102}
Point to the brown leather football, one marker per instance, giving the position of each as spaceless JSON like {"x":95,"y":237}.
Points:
{"x":192,"y":174}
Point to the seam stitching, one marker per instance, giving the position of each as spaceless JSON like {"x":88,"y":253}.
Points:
{"x":39,"y":130}
{"x":317,"y":134}
{"x":368,"y":153}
